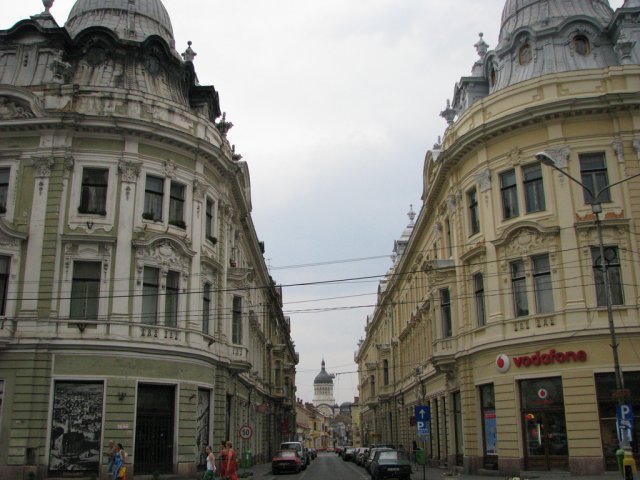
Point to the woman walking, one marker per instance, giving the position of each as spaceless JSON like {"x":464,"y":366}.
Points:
{"x":222,"y":458}
{"x":211,"y":465}
{"x":231,"y":469}
{"x":118,"y":461}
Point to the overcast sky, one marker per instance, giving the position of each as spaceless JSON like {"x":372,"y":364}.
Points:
{"x":335,"y":103}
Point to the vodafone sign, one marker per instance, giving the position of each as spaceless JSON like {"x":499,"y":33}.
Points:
{"x":503,"y":361}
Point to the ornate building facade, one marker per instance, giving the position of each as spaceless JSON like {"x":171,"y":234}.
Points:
{"x":323,"y":397}
{"x":494,"y":315}
{"x":135,"y":301}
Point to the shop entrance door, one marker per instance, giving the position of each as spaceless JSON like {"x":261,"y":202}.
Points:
{"x":543,"y":424}
{"x":545,"y":441}
{"x":154,"y":429}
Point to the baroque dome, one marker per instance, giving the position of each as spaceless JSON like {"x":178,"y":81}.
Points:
{"x":323,"y":376}
{"x":540,"y":15}
{"x":133,"y":20}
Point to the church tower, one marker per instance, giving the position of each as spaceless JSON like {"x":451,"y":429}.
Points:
{"x":323,"y":391}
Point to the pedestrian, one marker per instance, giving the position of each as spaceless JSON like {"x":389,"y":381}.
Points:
{"x":231,"y":469}
{"x":120,"y":456}
{"x":222,"y":459}
{"x":112,"y":455}
{"x":211,"y":464}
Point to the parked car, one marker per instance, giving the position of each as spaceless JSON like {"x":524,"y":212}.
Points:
{"x":361,"y":455}
{"x":390,"y":464}
{"x":286,"y":461}
{"x":369,"y":458}
{"x":313,"y":453}
{"x":348,"y":453}
{"x":297,"y":446}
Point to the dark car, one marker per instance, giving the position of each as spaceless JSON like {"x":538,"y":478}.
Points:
{"x":369,"y":458}
{"x":348,"y":453}
{"x":286,"y":461}
{"x":390,"y":464}
{"x":361,"y":455}
{"x":313,"y":453}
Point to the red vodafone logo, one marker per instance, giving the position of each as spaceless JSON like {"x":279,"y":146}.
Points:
{"x":503,"y":363}
{"x":543,"y":394}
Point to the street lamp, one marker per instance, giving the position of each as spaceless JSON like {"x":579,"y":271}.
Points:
{"x":596,"y":207}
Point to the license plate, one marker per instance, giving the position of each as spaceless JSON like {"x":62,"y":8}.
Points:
{"x":393,"y":469}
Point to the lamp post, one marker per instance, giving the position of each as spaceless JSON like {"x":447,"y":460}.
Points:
{"x":596,"y":207}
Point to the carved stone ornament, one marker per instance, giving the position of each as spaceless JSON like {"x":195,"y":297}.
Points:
{"x":170,"y":169}
{"x":13,"y":108}
{"x":559,"y":155}
{"x":165,"y":254}
{"x":483,"y":177}
{"x":61,"y":70}
{"x":515,"y":156}
{"x":129,"y":170}
{"x":43,"y":166}
{"x":521,"y":243}
{"x":199,"y":189}
{"x":618,"y":147}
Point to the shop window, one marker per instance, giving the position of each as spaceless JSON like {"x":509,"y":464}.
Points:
{"x":474,"y":217}
{"x":542,"y":283}
{"x":172,"y":291}
{"x":206,"y":307}
{"x":4,"y":188}
{"x":614,"y":274}
{"x":236,"y":326}
{"x":489,"y":426}
{"x":593,"y":173}
{"x":176,"y":205}
{"x":5,"y":261}
{"x":478,"y":293}
{"x":445,"y":311}
{"x":607,"y":397}
{"x":519,"y":289}
{"x":533,"y":188}
{"x":85,"y":290}
{"x":581,"y":45}
{"x":153,"y":197}
{"x":150,"y":293}
{"x":509,"y":192}
{"x":93,"y":195}
{"x":457,"y":420}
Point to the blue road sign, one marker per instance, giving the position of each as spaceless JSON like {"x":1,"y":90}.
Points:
{"x":423,"y":416}
{"x":624,"y":415}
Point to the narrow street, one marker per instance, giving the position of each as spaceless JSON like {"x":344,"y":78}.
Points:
{"x":326,"y":466}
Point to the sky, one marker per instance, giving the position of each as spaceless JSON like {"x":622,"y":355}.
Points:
{"x":334,"y":104}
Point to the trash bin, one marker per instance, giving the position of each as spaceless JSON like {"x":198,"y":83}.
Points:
{"x":421,"y":457}
{"x":245,"y":459}
{"x":620,"y":459}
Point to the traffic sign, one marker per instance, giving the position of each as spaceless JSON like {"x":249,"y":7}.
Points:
{"x":246,"y":432}
{"x":624,"y":420}
{"x":423,"y":417}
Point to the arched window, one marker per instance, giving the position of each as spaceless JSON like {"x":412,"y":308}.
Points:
{"x":493,"y":76}
{"x":525,"y":55}
{"x":581,"y":45}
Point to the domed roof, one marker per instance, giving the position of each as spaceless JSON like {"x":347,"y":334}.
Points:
{"x":323,"y":376}
{"x":539,"y":15}
{"x":134,"y":20}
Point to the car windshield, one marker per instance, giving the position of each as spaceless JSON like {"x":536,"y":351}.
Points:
{"x":392,"y":455}
{"x":288,"y":454}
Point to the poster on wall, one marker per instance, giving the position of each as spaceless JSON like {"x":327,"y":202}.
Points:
{"x":490,"y":432}
{"x":202,"y":425}
{"x":76,"y":427}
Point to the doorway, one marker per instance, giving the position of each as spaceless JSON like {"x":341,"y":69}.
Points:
{"x":154,"y":429}
{"x":543,"y":425}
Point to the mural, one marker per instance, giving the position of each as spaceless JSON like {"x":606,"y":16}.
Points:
{"x":76,"y":427}
{"x":202,"y":425}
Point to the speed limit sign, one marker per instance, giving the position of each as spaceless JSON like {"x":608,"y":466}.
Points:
{"x":246,"y":431}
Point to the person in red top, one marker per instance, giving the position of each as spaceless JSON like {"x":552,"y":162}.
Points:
{"x":222,"y":456}
{"x":231,"y":467}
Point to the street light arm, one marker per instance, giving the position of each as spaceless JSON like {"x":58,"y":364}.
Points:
{"x":614,"y":184}
{"x":566,"y":174}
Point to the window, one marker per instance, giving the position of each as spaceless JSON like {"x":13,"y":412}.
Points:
{"x":153,"y":194}
{"x":489,"y":425}
{"x":447,"y":226}
{"x":236,"y":326}
{"x":509,"y":191}
{"x":372,"y":384}
{"x":172,"y":290}
{"x":542,"y":283}
{"x":593,"y":172}
{"x":474,"y":217}
{"x":206,"y":307}
{"x":478,"y":293}
{"x":277,"y":380}
{"x":445,"y":309}
{"x":209,"y":226}
{"x":493,"y":76}
{"x":150,"y":291}
{"x":581,"y":45}
{"x":4,"y":283}
{"x":519,"y":288}
{"x":385,"y":371}
{"x":4,"y":188}
{"x":533,"y":188}
{"x":85,"y":290}
{"x":93,"y":195}
{"x":525,"y":55}
{"x":612,"y":267}
{"x":176,"y":205}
